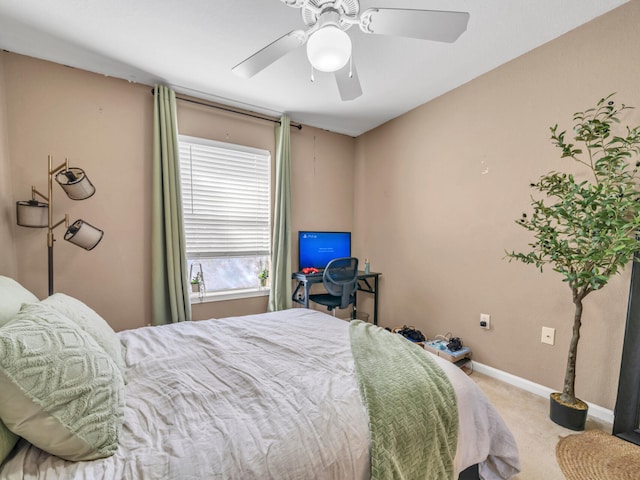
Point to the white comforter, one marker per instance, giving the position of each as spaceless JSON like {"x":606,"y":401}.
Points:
{"x":270,"y":396}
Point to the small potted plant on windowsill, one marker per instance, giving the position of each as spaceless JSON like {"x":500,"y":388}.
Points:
{"x":586,"y":229}
{"x":195,"y":283}
{"x":262,"y":276}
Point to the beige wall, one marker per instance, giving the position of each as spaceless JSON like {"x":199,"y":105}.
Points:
{"x":104,"y":126}
{"x":439,"y":188}
{"x":8,"y":262}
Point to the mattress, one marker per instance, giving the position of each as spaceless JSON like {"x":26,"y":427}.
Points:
{"x":256,"y":397}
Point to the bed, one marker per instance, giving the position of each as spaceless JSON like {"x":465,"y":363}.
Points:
{"x":267,"y":396}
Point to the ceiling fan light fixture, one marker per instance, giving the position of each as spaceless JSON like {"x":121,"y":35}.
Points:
{"x":329,"y":49}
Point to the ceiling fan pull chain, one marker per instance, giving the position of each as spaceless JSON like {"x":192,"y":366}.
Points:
{"x":351,"y":66}
{"x":313,"y":79}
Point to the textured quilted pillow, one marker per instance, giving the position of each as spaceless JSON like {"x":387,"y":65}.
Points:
{"x":12,"y":296}
{"x":8,"y":440}
{"x":89,"y":321}
{"x":60,"y":390}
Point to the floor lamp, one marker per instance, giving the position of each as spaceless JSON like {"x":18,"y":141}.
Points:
{"x":36,"y":214}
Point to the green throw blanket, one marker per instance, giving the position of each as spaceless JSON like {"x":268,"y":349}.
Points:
{"x":413,"y":415}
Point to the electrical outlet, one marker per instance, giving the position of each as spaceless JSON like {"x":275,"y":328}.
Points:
{"x":548,"y":335}
{"x":485,"y":321}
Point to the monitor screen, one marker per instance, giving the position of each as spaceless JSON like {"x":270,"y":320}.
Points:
{"x":316,"y":249}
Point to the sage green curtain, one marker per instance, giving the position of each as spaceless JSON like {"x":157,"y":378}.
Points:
{"x":169,"y":286}
{"x":280,"y":294}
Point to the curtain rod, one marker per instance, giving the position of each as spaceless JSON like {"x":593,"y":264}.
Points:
{"x":231,"y":110}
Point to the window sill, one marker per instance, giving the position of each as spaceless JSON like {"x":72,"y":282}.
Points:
{"x":229,"y":295}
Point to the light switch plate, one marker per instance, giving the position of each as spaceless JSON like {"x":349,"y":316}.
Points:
{"x":548,"y":335}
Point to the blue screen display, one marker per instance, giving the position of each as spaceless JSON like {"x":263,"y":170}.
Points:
{"x":316,"y":249}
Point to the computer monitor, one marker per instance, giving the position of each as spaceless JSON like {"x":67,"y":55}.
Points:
{"x":316,"y":249}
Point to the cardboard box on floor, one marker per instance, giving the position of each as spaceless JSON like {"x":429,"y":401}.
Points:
{"x":436,"y":347}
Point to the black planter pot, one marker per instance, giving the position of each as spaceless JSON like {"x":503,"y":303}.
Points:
{"x":567,"y":416}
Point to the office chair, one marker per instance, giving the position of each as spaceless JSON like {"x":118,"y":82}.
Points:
{"x":340,"y":279}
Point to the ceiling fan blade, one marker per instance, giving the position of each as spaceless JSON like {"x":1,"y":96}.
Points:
{"x":348,"y":82}
{"x":434,"y":25}
{"x":269,"y":54}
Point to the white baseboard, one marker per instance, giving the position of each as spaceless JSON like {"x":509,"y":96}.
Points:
{"x":595,"y":411}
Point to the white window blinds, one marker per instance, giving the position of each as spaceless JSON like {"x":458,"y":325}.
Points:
{"x":225,"y":198}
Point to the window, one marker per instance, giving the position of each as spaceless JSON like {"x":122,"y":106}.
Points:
{"x":226,"y":210}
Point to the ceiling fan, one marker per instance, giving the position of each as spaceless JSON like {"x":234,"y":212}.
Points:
{"x":329,"y":46}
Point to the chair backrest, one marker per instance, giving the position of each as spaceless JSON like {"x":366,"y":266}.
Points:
{"x":340,"y":278}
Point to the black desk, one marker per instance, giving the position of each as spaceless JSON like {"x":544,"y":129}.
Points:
{"x":306,"y":280}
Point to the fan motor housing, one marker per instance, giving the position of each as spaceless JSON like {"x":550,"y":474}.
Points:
{"x":312,"y":10}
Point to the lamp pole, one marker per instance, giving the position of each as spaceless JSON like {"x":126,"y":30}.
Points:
{"x":51,"y":226}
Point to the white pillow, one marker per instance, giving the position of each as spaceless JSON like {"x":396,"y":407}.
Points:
{"x":92,"y":323}
{"x":12,"y":296}
{"x":60,"y":390}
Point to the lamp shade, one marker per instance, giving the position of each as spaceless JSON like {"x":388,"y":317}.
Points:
{"x":75,"y":183}
{"x":83,"y":234}
{"x":329,"y":49}
{"x":32,"y":213}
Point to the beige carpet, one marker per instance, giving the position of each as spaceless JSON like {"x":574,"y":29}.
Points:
{"x":596,"y":455}
{"x":527,"y":415}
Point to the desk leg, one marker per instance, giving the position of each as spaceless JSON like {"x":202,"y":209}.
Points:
{"x":354,"y":311}
{"x":307,"y":290}
{"x":304,"y":301}
{"x":375,"y":302}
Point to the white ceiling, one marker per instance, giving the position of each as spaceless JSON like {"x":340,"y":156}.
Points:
{"x":193,"y":44}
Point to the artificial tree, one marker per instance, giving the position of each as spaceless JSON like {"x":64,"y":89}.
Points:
{"x":587,"y":229}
